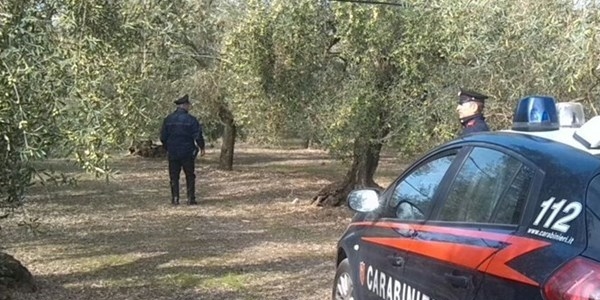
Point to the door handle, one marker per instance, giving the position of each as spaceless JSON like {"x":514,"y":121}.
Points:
{"x":406,"y":232}
{"x":458,"y":281}
{"x":396,"y":260}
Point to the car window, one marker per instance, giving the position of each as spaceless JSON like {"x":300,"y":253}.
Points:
{"x":490,"y":187}
{"x":413,"y":195}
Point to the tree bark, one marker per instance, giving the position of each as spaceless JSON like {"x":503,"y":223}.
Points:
{"x":360,"y":175}
{"x":306,"y":143}
{"x":365,"y":160}
{"x":228,"y":138}
{"x":365,"y":163}
{"x":13,"y":275}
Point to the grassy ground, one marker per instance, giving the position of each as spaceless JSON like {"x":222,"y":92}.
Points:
{"x":253,"y":236}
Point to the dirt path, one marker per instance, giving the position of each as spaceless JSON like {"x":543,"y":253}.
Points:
{"x":252,"y":237}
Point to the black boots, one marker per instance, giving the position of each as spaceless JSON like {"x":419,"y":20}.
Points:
{"x":191,"y":192}
{"x":174,"y":192}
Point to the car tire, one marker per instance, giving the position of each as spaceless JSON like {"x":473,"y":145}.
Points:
{"x":343,"y":286}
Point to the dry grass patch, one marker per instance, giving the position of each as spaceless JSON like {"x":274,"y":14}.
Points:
{"x":247,"y":240}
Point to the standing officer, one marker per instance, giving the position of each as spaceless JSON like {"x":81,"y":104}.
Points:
{"x":470,"y":111}
{"x":181,"y":135}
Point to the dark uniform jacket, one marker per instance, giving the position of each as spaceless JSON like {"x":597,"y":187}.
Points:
{"x":181,"y":135}
{"x":475,"y":123}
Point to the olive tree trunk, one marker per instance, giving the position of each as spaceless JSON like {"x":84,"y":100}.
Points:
{"x":228,"y":138}
{"x":367,"y":146}
{"x":360,"y":175}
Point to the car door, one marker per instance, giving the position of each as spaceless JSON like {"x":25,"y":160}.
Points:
{"x":474,"y":216}
{"x":378,"y":267}
{"x":535,"y":261}
{"x":408,"y":201}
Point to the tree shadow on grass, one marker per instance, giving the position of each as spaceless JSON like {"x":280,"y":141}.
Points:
{"x":221,"y":264}
{"x":245,"y":241}
{"x":296,"y":278}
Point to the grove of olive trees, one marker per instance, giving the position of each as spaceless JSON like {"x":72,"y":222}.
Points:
{"x":82,"y":78}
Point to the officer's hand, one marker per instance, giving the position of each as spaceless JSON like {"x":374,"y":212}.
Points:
{"x":202,"y":152}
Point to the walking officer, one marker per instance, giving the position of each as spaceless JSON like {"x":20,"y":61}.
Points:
{"x":470,"y":111}
{"x":181,"y":135}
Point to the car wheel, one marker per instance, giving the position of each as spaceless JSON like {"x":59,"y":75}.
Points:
{"x":343,"y":288}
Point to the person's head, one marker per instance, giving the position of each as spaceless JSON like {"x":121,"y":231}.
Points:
{"x":470,"y":103}
{"x":183,"y":102}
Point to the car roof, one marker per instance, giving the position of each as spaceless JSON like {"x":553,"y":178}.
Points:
{"x":563,"y":135}
{"x":554,"y":151}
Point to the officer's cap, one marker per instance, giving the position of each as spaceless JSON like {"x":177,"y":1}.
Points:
{"x":466,"y":96}
{"x":183,"y":100}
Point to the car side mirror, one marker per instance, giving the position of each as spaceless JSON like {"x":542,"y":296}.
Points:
{"x":363,"y":200}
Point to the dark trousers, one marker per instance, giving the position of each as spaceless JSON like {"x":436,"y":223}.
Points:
{"x":175,"y":166}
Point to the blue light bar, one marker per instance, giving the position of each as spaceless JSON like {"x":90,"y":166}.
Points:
{"x":536,"y":113}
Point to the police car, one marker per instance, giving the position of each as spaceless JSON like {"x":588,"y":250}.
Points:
{"x":511,"y":214}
